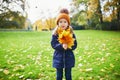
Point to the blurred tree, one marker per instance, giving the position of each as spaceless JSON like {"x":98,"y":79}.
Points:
{"x":78,"y":20}
{"x":38,"y":25}
{"x":80,"y":13}
{"x":50,"y":23}
{"x":78,"y":2}
{"x":11,"y":17}
{"x":98,"y":13}
{"x":113,"y":7}
{"x":112,"y":10}
{"x":5,"y":5}
{"x":94,"y":13}
{"x":7,"y":14}
{"x":47,"y":24}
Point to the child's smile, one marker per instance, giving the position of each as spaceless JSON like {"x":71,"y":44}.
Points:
{"x":63,"y":27}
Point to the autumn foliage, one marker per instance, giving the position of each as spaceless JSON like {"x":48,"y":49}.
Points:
{"x":65,"y":36}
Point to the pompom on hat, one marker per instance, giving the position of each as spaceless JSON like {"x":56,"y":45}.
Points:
{"x":64,"y":14}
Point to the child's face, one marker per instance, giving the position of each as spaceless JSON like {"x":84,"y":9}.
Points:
{"x":63,"y":24}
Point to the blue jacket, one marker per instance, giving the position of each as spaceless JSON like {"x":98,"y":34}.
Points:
{"x":63,"y":58}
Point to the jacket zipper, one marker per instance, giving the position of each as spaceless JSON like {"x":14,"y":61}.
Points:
{"x":64,"y":58}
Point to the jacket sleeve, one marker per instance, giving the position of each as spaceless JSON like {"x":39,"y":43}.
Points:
{"x":75,"y":43}
{"x":55,"y":44}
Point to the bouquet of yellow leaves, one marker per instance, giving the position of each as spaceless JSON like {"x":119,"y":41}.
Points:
{"x":65,"y":36}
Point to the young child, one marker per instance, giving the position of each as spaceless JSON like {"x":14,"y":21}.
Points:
{"x":63,"y":42}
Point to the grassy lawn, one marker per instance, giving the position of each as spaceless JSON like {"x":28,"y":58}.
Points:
{"x":28,"y":56}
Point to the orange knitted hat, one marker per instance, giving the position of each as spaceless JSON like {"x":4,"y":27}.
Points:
{"x":64,"y":14}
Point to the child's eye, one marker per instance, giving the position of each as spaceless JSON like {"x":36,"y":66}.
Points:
{"x":60,"y":21}
{"x":64,"y":21}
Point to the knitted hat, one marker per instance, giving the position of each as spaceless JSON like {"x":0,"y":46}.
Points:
{"x":64,"y":14}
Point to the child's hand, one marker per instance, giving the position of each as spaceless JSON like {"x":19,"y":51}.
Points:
{"x":65,"y":46}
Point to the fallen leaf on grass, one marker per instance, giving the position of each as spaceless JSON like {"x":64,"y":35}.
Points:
{"x":102,"y":79}
{"x":80,"y":58}
{"x":102,"y":59}
{"x":80,"y":65}
{"x":116,"y":59}
{"x":111,"y":65}
{"x":107,"y":54}
{"x":10,"y":61}
{"x":89,"y":69}
{"x":1,"y":70}
{"x":21,"y":76}
{"x":81,"y":78}
{"x":106,"y":76}
{"x":117,"y":74}
{"x":90,"y":78}
{"x":30,"y":73}
{"x":86,"y":70}
{"x":18,"y":67}
{"x":6,"y":72}
{"x":102,"y":70}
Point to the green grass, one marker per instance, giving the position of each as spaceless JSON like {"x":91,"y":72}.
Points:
{"x":28,"y":55}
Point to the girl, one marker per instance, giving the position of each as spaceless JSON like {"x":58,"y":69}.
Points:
{"x":63,"y":42}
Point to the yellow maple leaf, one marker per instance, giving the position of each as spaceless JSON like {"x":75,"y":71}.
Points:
{"x":66,"y":37}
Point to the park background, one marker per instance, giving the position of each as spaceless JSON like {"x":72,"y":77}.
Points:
{"x":25,"y":34}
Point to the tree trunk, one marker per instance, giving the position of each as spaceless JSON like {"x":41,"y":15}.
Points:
{"x":118,"y":12}
{"x":100,"y":12}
